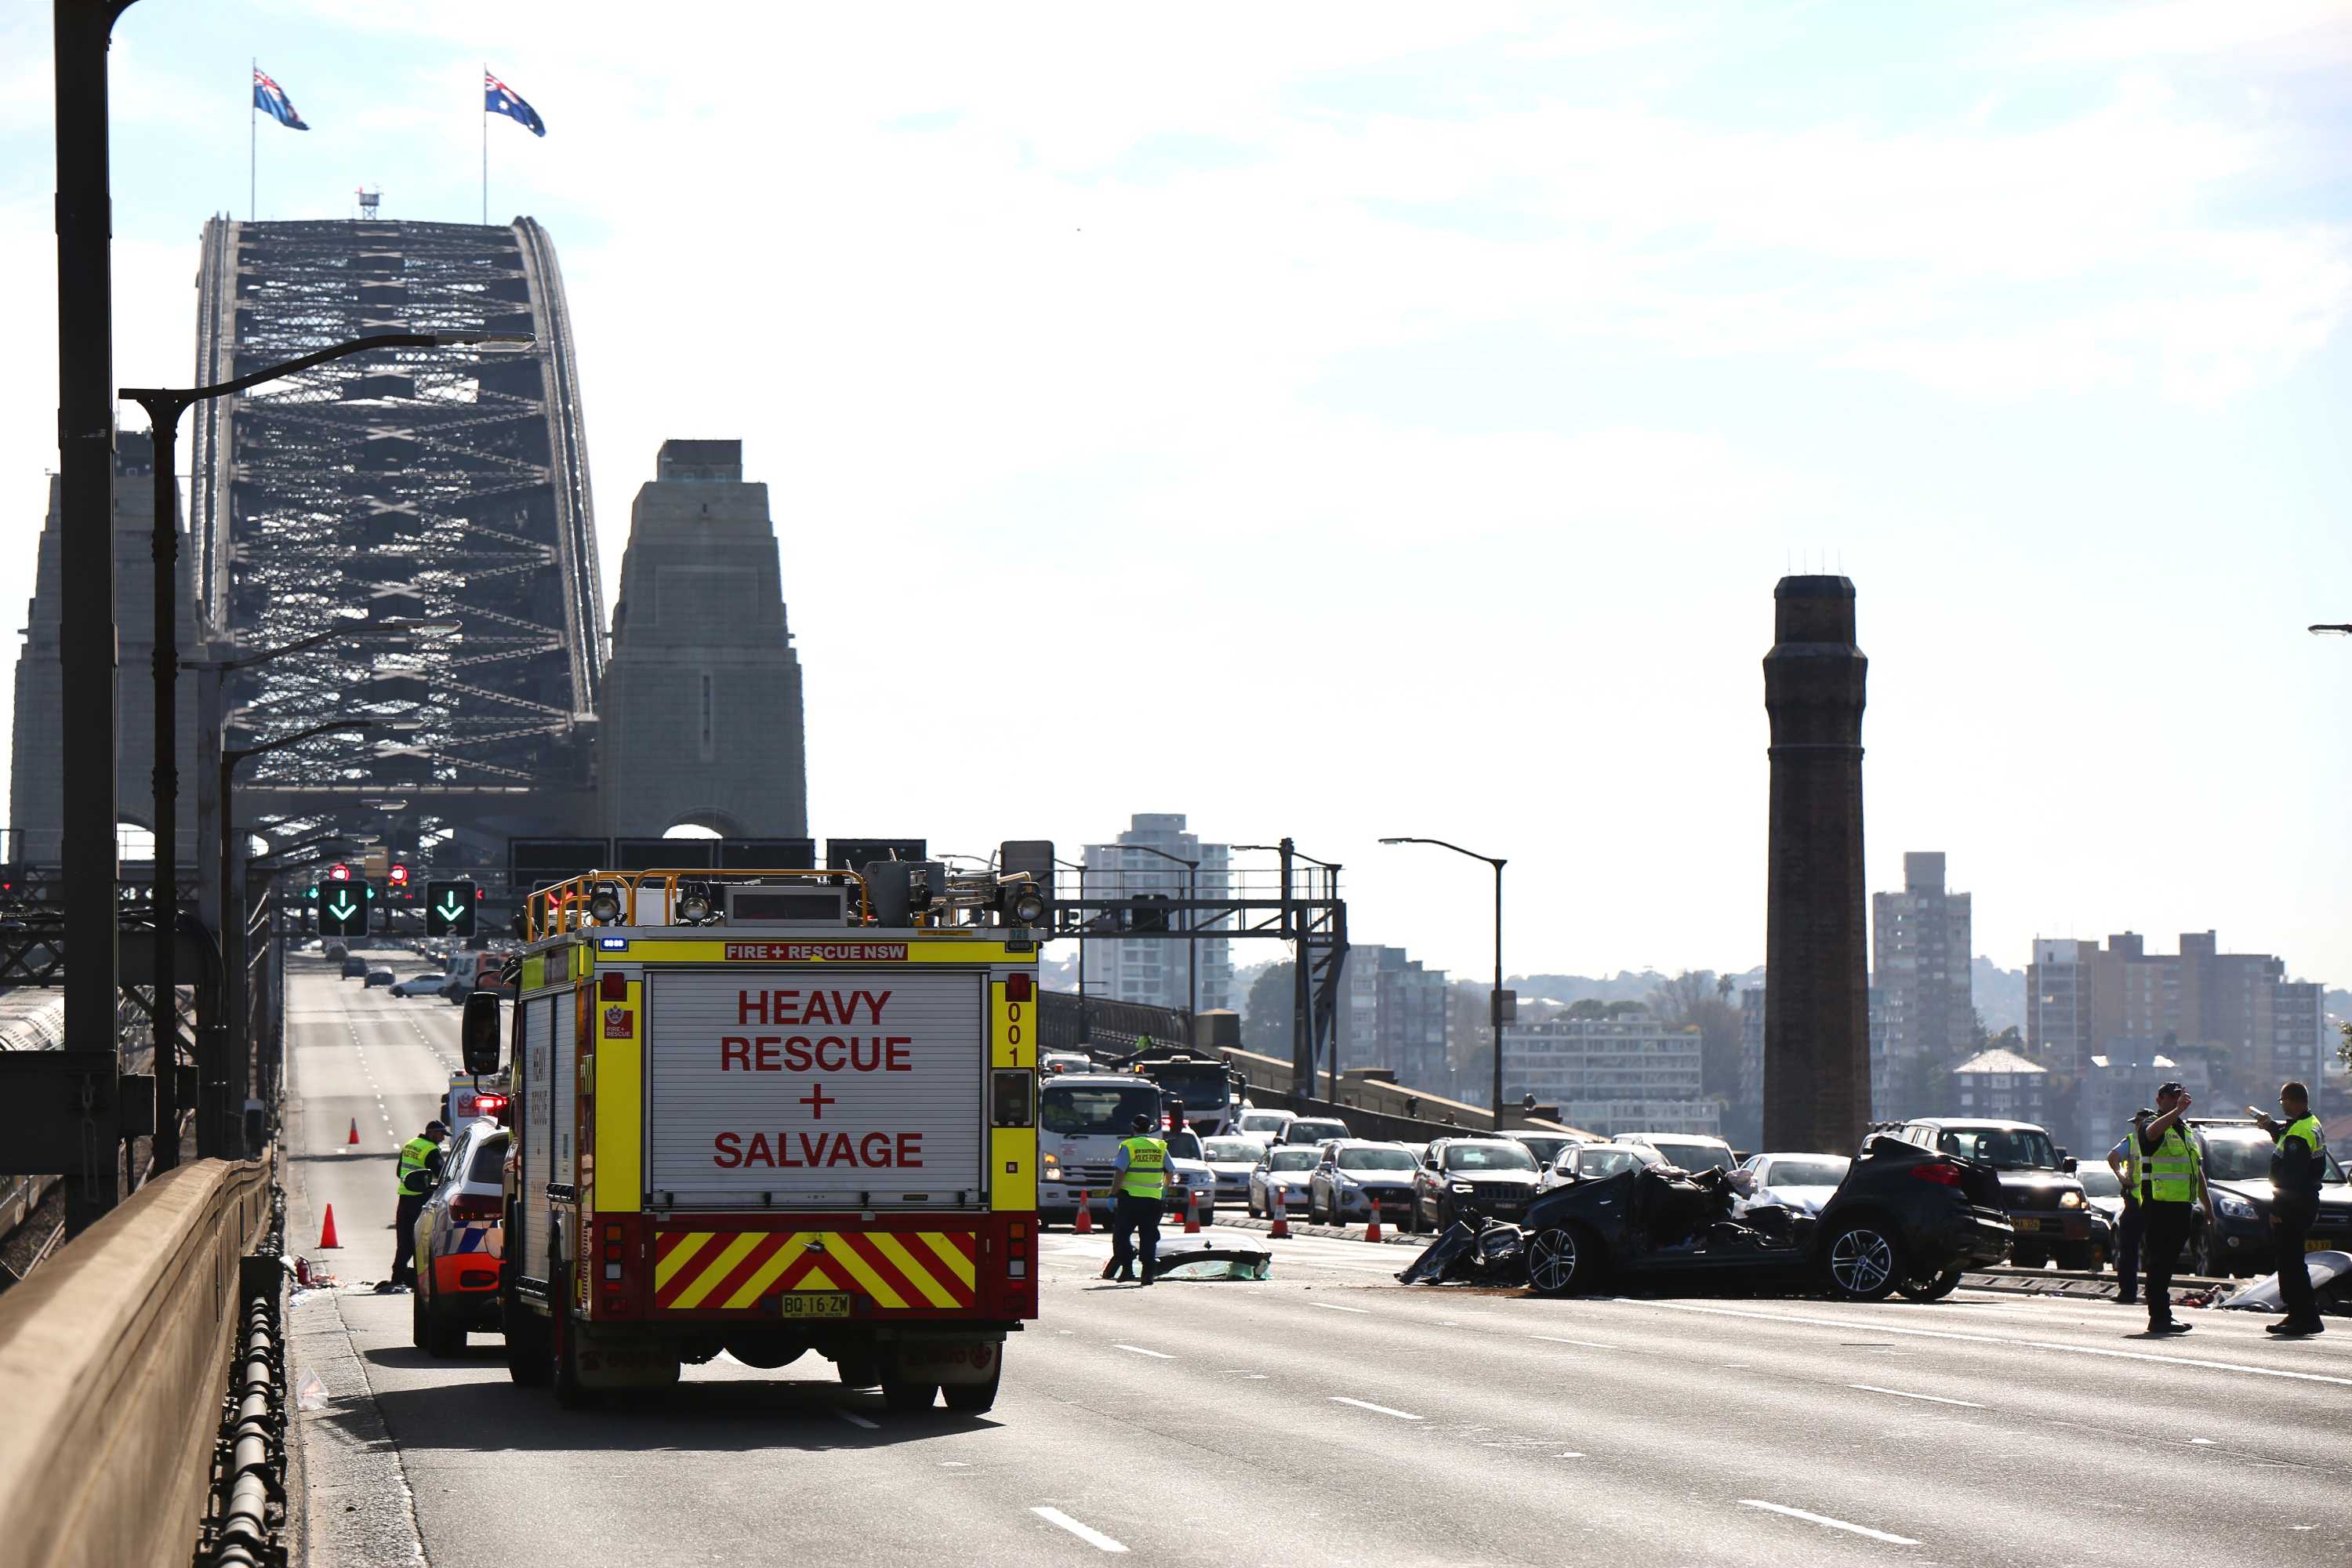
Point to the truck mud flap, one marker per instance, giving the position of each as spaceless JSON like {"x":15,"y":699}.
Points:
{"x":948,"y":1359}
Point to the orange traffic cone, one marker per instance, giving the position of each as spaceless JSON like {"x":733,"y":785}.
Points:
{"x":355,"y":1131}
{"x":326,"y":1232}
{"x":1192,"y":1214}
{"x":1372,"y":1228}
{"x":1280,"y":1229}
{"x":1085,"y":1220}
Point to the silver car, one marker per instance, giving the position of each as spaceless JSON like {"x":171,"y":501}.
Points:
{"x":1230,"y":1159}
{"x":1287,"y":1166}
{"x":1356,"y":1177}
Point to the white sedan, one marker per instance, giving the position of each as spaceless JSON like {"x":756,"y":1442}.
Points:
{"x":1803,"y":1182}
{"x":1290,"y":1167}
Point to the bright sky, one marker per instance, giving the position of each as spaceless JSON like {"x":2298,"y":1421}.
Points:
{"x":1348,"y":420}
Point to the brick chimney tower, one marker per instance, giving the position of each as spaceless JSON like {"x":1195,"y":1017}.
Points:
{"x":1816,"y":952}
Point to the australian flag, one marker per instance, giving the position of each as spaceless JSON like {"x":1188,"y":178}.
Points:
{"x":271,"y":100}
{"x":498,"y":97}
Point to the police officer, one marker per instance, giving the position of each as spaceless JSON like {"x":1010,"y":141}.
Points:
{"x":420,"y":1162}
{"x":1142,"y":1184}
{"x":2124,"y":1161}
{"x":2296,"y":1167}
{"x":2172,"y":1181}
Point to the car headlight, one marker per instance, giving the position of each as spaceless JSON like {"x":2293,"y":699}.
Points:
{"x":1463,"y":1187}
{"x":2228,"y":1206}
{"x":2070,"y":1200}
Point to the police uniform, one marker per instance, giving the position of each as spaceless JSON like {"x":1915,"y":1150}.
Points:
{"x":2297,"y":1167}
{"x":2163,"y":1170}
{"x":1142,"y":1187}
{"x":413,"y":1178}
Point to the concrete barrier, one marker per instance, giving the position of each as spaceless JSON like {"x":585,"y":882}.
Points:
{"x":115,"y":1357}
{"x":1379,"y":1107}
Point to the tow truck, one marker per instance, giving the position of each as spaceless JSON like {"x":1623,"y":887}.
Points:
{"x":772,"y":1112}
{"x":1209,"y":1091}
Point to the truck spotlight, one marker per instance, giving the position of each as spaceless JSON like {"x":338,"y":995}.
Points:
{"x":1028,"y":907}
{"x":694,"y":906}
{"x":604,"y":904}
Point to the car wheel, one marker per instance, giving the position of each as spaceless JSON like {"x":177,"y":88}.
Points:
{"x":1865,"y":1264}
{"x":2027,"y":1258}
{"x":1932,"y":1288}
{"x":419,"y":1334}
{"x":2078,"y":1257}
{"x":2197,"y":1257}
{"x":1562,"y":1260}
{"x":445,"y":1340}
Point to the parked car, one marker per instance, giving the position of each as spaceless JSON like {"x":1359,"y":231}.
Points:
{"x":1544,"y":1146}
{"x":1471,"y":1179}
{"x":1289,"y":1166}
{"x":376,"y":977}
{"x":1231,"y":1159}
{"x":355,"y":968}
{"x":460,"y":1245}
{"x":1189,"y":1171}
{"x":2039,"y":1184}
{"x":334,"y":952}
{"x":1354,"y":1177}
{"x":1690,"y":1151}
{"x":1591,"y":1161}
{"x":1268,"y":1124}
{"x":1804,"y":1183}
{"x":420,"y":985}
{"x":1312,"y":1131}
{"x":2237,"y":1239}
{"x":1905,"y":1217}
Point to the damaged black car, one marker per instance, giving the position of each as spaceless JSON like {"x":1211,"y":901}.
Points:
{"x":1904,"y":1218}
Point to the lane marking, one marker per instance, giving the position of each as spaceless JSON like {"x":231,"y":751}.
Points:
{"x":1086,"y":1532}
{"x":1588,"y":1344}
{"x":859,"y":1421}
{"x":1832,"y":1524}
{"x":1335,"y":1307}
{"x":1382,"y":1409}
{"x":1930,"y":1398}
{"x":1572,"y":1455}
{"x":1139,"y":1350}
{"x":1999,"y":1339}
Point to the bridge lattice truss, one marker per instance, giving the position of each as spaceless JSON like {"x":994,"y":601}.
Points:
{"x":437,"y":484}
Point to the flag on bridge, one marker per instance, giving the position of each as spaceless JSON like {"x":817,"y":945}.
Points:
{"x":271,"y":100}
{"x":498,"y":97}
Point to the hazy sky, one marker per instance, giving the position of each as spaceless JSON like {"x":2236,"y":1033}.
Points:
{"x":1348,"y":420}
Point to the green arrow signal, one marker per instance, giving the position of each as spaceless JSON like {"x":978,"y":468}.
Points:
{"x":451,"y":909}
{"x":341,"y":910}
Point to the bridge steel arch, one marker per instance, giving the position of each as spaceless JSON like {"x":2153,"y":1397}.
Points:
{"x":443,"y":484}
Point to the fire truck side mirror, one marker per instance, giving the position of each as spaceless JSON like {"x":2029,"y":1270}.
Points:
{"x":481,"y":1033}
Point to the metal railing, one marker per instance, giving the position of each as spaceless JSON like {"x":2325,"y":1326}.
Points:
{"x":567,"y":906}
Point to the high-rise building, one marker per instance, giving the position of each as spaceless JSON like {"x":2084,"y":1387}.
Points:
{"x":1920,"y":966}
{"x":1159,"y":970}
{"x":1393,"y":1014}
{"x":2124,"y":1003}
{"x":1631,"y":1073}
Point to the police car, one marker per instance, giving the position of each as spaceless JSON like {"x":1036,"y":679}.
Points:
{"x":460,"y":1243}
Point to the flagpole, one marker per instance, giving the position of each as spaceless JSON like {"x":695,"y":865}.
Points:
{"x":252,"y":147}
{"x":485,"y":149}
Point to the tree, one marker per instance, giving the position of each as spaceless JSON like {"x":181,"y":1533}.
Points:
{"x":1619,"y":1009}
{"x":2344,"y":1051}
{"x":1589,"y":1007}
{"x":1700,"y":999}
{"x":1266,"y":1021}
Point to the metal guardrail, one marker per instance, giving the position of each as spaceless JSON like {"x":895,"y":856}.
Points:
{"x":250,"y":1507}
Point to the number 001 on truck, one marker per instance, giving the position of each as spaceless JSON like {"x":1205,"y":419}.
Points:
{"x":750,"y":1116}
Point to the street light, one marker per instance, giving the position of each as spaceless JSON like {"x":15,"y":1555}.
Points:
{"x":1494,"y":998}
{"x":165,"y":406}
{"x":2325,"y":629}
{"x":1192,"y":946}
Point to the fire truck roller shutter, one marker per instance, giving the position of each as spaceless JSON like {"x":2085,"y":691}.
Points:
{"x":815,"y":1084}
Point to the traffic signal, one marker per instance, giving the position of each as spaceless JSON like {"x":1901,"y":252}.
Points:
{"x":449,"y":907}
{"x":338,"y":872}
{"x":398,"y":877}
{"x":344,"y":908}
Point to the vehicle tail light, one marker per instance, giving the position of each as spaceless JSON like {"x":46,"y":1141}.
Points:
{"x":469,"y":1208}
{"x":489,"y":1104}
{"x":1943,"y":1173}
{"x":1017,"y":987}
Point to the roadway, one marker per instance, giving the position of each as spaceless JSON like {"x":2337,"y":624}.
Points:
{"x":1325,"y":1416}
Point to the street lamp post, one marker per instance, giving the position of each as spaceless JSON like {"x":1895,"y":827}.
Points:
{"x":1191,"y":944}
{"x":165,"y":406}
{"x":1494,"y":997}
{"x":219,"y":1131}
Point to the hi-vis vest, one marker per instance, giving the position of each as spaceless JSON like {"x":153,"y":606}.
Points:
{"x":409,"y":1176}
{"x":2306,"y":1128}
{"x":1146,"y":1176}
{"x":2169,"y":1176}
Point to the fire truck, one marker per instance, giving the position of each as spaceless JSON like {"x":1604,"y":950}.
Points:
{"x":772,"y":1113}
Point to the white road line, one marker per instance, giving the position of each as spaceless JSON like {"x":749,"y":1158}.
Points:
{"x":1831,"y":1523}
{"x":2002,"y":1340}
{"x":1086,"y":1532}
{"x":1335,"y":1307}
{"x":1139,"y":1350}
{"x":859,"y":1421}
{"x":1930,"y":1398}
{"x":1382,"y":1409}
{"x":1588,"y":1344}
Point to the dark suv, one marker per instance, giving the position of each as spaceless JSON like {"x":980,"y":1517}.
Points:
{"x":1472,"y":1178}
{"x":2237,"y":1240}
{"x":2047,"y":1207}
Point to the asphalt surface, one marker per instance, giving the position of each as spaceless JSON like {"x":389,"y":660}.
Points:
{"x":1325,"y":1416}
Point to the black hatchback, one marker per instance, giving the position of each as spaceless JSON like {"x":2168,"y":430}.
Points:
{"x":1904,"y":1218}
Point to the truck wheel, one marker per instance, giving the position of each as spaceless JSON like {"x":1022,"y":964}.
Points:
{"x":858,"y":1371}
{"x":1933,"y":1287}
{"x":907,"y":1398}
{"x":526,"y":1337}
{"x":974,"y":1398}
{"x":563,"y":1366}
{"x":1865,"y":1263}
